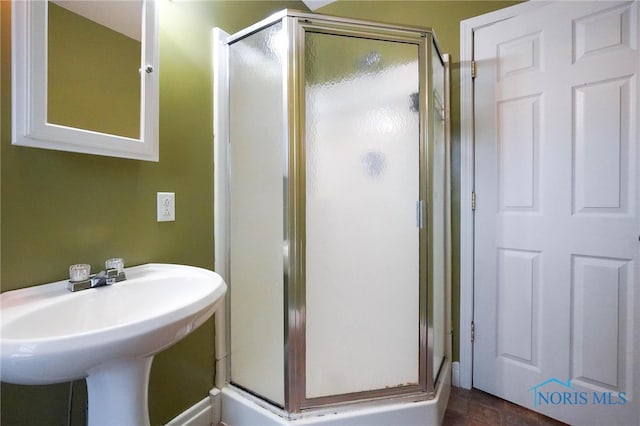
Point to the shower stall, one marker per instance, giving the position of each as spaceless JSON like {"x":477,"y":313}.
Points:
{"x":332,"y":214}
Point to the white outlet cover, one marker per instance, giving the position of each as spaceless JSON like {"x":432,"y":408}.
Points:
{"x":166,"y":206}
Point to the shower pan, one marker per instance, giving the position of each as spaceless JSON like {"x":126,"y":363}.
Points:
{"x":332,"y":221}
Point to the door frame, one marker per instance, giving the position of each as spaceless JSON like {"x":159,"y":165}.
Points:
{"x":467,"y":179}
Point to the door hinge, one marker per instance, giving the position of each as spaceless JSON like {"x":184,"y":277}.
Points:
{"x":473,"y":331}
{"x":473,"y":69}
{"x":473,"y":200}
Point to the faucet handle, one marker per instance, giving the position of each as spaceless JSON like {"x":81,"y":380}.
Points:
{"x":79,"y":277}
{"x":79,"y":272}
{"x":115,"y":263}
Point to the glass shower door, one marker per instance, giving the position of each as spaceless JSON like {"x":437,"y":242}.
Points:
{"x":362,"y":178}
{"x":256,"y":130}
{"x":438,"y":188}
{"x":337,"y":192}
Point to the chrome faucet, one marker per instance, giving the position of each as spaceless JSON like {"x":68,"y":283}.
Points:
{"x":81,"y":280}
{"x":106,"y":277}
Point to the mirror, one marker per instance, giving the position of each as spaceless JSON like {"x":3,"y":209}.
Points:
{"x":93,"y":63}
{"x":85,"y":77}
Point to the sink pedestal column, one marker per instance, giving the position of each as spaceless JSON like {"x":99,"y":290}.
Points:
{"x":118,"y":391}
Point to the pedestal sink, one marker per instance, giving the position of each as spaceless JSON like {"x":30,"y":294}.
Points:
{"x":107,"y":335}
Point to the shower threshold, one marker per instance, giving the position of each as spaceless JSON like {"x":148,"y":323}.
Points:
{"x":239,"y":408}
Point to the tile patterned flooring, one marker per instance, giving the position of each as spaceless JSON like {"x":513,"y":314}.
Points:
{"x":477,"y":408}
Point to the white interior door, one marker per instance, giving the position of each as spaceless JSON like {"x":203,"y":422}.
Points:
{"x":557,"y":249}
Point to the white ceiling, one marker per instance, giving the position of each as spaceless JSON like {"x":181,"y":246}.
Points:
{"x":123,"y":16}
{"x":315,"y":4}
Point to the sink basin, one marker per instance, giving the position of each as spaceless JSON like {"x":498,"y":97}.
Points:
{"x":107,"y":334}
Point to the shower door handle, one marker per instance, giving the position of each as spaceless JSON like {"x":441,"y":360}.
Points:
{"x":419,"y":214}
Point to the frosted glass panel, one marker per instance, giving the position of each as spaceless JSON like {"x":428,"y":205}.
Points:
{"x":362,"y":178}
{"x":256,"y":194}
{"x":437,"y":212}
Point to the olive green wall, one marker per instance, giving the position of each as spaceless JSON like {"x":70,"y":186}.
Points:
{"x":60,"y":208}
{"x":93,"y":75}
{"x":444,"y":17}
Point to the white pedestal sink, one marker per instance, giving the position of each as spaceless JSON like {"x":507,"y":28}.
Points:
{"x":107,"y":335}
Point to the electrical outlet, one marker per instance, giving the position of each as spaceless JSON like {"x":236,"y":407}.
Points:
{"x":166,"y":206}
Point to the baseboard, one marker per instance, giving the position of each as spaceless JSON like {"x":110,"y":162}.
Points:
{"x":203,"y":413}
{"x":455,"y":374}
{"x":215,"y":396}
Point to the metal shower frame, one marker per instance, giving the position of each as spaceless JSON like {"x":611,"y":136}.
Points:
{"x":295,"y":25}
